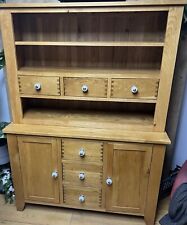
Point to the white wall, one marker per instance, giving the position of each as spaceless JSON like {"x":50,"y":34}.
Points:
{"x":4,"y":108}
{"x":180,"y":154}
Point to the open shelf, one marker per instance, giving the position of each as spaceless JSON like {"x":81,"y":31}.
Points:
{"x":89,"y":119}
{"x":128,"y":58}
{"x":142,"y":26}
{"x":98,"y":115}
{"x":87,"y":43}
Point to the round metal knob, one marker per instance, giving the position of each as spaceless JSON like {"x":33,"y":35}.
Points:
{"x":81,"y":176}
{"x":109,"y":181}
{"x":81,"y":198}
{"x":37,"y":86}
{"x":84,"y":88}
{"x":54,"y":174}
{"x":134,"y":89}
{"x":82,"y":153}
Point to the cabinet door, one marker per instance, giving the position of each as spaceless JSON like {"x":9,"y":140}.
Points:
{"x":39,"y":167}
{"x":128,"y":167}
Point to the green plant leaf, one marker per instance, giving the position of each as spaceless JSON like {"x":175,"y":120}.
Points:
{"x":2,"y":126}
{"x":2,"y":59}
{"x":9,"y":194}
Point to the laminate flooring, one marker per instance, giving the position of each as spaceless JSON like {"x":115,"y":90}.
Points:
{"x":48,"y":215}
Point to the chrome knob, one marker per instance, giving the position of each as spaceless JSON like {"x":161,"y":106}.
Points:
{"x":37,"y":86}
{"x":82,"y":153}
{"x":54,"y":174}
{"x":84,"y":88}
{"x":109,"y":181}
{"x":81,"y":176}
{"x":134,"y":89}
{"x":81,"y":198}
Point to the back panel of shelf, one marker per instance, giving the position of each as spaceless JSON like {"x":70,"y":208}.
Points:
{"x":133,"y":58}
{"x":106,"y":27}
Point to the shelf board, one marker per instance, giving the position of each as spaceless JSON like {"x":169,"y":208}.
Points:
{"x":94,"y":4}
{"x":78,"y":98}
{"x":91,"y":43}
{"x":87,"y":133}
{"x":88,"y":72}
{"x":89,"y":119}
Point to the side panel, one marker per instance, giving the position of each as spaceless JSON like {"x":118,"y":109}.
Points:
{"x":11,"y":65}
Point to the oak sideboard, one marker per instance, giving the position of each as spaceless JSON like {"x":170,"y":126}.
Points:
{"x":89,"y":87}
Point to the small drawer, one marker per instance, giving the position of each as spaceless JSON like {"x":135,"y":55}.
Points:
{"x":82,"y":150}
{"x":38,"y":85}
{"x":85,"y":87}
{"x":82,"y":175}
{"x":143,"y":88}
{"x":82,"y":197}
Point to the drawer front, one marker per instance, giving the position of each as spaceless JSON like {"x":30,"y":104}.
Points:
{"x":134,"y":88}
{"x":38,"y":85}
{"x":82,"y":150}
{"x":83,"y":198}
{"x":85,"y":87}
{"x":82,"y":175}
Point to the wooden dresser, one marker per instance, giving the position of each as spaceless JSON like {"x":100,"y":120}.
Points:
{"x":89,"y":88}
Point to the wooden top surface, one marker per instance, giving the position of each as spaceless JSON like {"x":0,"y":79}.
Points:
{"x":95,"y":4}
{"x":87,"y":133}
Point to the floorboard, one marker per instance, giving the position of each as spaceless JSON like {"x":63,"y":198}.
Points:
{"x":46,"y":215}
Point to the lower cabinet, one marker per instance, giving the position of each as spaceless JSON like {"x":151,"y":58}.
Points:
{"x":39,"y":167}
{"x":87,"y":174}
{"x":127,"y":174}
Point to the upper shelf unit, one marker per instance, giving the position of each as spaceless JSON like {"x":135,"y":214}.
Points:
{"x":91,"y":29}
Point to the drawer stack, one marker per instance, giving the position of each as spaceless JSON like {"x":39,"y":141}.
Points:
{"x":82,"y":169}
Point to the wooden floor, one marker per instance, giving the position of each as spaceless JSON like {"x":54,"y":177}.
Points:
{"x":44,"y":215}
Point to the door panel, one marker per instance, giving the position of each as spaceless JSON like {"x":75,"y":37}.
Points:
{"x":39,"y":158}
{"x":128,"y":166}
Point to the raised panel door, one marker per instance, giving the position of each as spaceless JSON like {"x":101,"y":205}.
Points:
{"x":39,"y":167}
{"x":128,"y":167}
